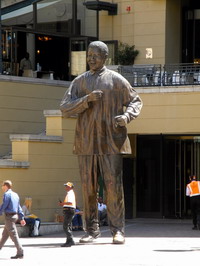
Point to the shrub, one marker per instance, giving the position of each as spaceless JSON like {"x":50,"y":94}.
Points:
{"x":126,"y":54}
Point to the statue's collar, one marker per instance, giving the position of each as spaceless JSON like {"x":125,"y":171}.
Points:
{"x":99,"y":72}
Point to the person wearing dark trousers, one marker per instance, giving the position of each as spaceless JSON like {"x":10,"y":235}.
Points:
{"x":69,"y":206}
{"x":193,"y":191}
{"x":77,"y":223}
{"x":13,"y":212}
{"x":102,"y":212}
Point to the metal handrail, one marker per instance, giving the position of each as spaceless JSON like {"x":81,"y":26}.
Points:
{"x":158,"y":75}
{"x":181,"y":74}
{"x":142,"y":75}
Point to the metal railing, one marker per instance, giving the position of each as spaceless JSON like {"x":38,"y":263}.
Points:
{"x":181,"y":74}
{"x":142,"y":75}
{"x":158,"y":75}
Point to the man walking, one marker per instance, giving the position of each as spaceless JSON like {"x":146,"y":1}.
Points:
{"x":105,"y":102}
{"x":13,"y":212}
{"x":69,"y":206}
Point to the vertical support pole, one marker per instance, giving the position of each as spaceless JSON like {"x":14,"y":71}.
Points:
{"x":35,"y":15}
{"x":1,"y":62}
{"x":98,"y":23}
{"x":74,"y":17}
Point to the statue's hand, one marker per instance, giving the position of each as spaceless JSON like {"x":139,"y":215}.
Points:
{"x":121,"y":120}
{"x":95,"y":95}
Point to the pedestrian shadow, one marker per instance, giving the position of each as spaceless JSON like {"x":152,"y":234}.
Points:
{"x":94,"y":243}
{"x":58,"y":245}
{"x":45,"y":245}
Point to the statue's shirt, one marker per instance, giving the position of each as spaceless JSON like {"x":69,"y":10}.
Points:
{"x":96,"y":129}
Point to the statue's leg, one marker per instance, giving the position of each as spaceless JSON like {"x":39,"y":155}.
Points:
{"x":89,"y":177}
{"x":111,"y":170}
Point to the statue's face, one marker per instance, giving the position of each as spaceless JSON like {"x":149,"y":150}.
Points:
{"x":95,"y":59}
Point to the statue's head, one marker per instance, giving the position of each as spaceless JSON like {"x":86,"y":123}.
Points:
{"x":97,"y":55}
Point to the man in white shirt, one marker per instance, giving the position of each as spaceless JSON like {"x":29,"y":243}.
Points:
{"x":102,"y":212}
{"x":25,"y":66}
{"x":69,"y":206}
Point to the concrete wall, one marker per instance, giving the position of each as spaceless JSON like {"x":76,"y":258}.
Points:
{"x":52,"y":164}
{"x":149,"y":30}
{"x":22,"y":101}
{"x":173,"y":32}
{"x":154,"y":24}
{"x":144,"y":26}
{"x":168,"y":110}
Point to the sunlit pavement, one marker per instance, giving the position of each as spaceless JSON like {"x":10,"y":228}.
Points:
{"x":152,"y":242}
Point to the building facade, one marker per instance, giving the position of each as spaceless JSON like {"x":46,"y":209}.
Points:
{"x":165,"y":138}
{"x":164,"y":31}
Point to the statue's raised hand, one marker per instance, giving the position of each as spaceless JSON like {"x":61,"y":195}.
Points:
{"x":95,"y":95}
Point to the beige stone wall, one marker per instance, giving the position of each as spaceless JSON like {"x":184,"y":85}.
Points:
{"x":152,"y":24}
{"x":51,"y":165}
{"x":144,"y":26}
{"x":149,"y":30}
{"x":173,"y":32}
{"x":168,"y":111}
{"x":22,"y":102}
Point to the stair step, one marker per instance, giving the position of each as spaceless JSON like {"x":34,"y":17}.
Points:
{"x":31,"y":137}
{"x":7,"y":163}
{"x":46,"y":228}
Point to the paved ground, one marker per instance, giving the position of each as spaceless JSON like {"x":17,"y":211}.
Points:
{"x":149,"y":242}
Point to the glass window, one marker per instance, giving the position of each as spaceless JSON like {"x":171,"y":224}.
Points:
{"x":54,"y":16}
{"x":112,"y":48}
{"x":10,"y":67}
{"x":88,"y":20}
{"x":6,"y":44}
{"x":78,"y":57}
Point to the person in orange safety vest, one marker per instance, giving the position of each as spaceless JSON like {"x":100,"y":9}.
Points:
{"x":193,"y":191}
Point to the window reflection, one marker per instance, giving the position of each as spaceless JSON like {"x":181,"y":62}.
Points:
{"x":54,"y":15}
{"x":22,"y":17}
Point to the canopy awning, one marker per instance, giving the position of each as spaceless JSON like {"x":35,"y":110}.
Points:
{"x":100,"y":5}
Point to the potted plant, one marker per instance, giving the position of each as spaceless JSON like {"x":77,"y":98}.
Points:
{"x":126,"y":54}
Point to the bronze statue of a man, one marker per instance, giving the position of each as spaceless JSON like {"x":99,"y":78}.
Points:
{"x":105,"y":102}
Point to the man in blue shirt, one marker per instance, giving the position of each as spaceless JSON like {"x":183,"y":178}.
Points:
{"x":13,"y":212}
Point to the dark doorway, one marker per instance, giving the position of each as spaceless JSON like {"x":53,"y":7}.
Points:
{"x":190,"y":34}
{"x":21,"y":45}
{"x":180,"y":161}
{"x":149,"y":178}
{"x":164,"y":164}
{"x":52,"y":53}
{"x":128,"y":182}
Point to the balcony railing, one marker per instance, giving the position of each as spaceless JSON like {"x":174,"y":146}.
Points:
{"x":158,"y":75}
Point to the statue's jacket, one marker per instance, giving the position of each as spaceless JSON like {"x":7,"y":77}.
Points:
{"x":96,"y":130}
